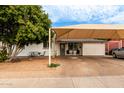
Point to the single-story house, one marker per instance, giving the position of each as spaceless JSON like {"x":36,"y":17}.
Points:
{"x":66,"y":47}
{"x":70,"y":47}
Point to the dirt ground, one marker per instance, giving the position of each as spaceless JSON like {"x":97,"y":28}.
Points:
{"x":69,"y":67}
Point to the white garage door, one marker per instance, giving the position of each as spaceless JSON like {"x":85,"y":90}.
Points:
{"x":93,"y":49}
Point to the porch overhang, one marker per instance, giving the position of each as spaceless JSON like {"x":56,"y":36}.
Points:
{"x":82,"y":40}
{"x":90,"y":31}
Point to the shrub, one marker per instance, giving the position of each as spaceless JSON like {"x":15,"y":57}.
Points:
{"x":53,"y":65}
{"x":3,"y":55}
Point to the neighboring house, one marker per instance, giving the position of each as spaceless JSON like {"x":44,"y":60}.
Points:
{"x":67,"y":47}
{"x":113,"y":44}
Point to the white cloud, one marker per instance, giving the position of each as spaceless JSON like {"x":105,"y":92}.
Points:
{"x":83,"y":13}
{"x":119,"y":18}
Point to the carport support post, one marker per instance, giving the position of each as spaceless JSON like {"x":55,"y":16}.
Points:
{"x":49,"y":46}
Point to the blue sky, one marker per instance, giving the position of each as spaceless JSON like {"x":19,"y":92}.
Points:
{"x":64,"y":15}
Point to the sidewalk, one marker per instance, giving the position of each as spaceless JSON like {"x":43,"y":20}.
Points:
{"x":82,"y":82}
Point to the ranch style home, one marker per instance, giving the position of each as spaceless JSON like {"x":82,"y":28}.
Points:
{"x":66,"y":47}
{"x":69,"y":47}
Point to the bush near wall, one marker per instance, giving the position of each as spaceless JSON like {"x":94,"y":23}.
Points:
{"x":3,"y":55}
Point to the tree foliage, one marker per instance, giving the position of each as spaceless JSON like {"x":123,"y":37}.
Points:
{"x":22,"y":25}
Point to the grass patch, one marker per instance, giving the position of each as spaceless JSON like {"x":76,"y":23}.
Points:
{"x":53,"y":65}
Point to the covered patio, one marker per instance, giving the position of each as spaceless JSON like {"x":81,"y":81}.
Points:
{"x":87,"y":31}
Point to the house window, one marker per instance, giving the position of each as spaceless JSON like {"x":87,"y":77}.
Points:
{"x":45,"y":45}
{"x":73,"y":46}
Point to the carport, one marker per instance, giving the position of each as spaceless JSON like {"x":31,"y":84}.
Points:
{"x":87,"y":31}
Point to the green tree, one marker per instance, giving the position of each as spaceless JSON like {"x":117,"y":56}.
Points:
{"x":22,"y":25}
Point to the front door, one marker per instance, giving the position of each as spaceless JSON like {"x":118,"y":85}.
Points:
{"x":62,"y":49}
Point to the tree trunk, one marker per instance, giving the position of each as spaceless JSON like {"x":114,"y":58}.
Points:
{"x":13,"y":51}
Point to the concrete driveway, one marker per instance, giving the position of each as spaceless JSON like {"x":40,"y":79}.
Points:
{"x":73,"y":72}
{"x":91,"y":66}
